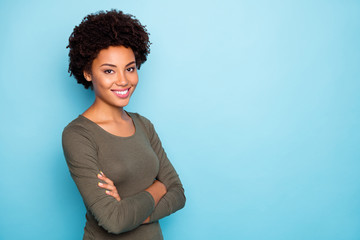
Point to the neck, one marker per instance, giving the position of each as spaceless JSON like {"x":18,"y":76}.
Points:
{"x":105,"y":112}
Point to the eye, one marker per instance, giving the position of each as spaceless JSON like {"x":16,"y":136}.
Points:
{"x":130,"y":69}
{"x":108,"y":71}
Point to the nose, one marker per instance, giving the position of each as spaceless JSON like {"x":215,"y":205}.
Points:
{"x":121,"y":80}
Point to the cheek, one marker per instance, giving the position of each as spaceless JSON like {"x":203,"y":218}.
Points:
{"x":135,"y":79}
{"x":136,"y":82}
{"x":102,"y":82}
{"x":100,"y":85}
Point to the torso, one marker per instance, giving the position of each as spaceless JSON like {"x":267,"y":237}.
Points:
{"x":130,"y":162}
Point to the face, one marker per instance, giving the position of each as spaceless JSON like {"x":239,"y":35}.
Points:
{"x":114,"y":76}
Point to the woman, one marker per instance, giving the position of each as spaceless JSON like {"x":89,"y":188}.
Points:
{"x":115,"y":157}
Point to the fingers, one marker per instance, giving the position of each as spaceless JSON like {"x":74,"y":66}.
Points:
{"x":102,"y":176}
{"x":101,"y":173}
{"x":108,"y":185}
{"x":113,"y":194}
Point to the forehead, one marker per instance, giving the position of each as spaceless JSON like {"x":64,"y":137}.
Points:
{"x":115,"y":54}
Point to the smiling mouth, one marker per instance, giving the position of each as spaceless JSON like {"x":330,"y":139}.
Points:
{"x":123,"y":93}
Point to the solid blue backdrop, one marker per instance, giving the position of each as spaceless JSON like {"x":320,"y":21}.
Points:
{"x":257,"y":104}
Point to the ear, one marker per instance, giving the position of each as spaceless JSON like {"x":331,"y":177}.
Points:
{"x":87,"y":76}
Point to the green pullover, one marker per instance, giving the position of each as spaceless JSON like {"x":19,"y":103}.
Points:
{"x":132,"y":163}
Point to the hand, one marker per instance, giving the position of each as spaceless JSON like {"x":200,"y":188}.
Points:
{"x":109,"y":186}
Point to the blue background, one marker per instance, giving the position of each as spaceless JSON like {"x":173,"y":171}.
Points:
{"x":257,"y":104}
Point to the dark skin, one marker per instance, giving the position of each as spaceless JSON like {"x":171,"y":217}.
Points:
{"x":114,"y":78}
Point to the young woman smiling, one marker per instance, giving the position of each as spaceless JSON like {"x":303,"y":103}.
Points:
{"x":115,"y":157}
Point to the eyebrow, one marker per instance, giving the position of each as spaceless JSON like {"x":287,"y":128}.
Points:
{"x":112,"y":65}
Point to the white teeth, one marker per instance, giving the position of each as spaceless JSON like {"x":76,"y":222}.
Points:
{"x":121,"y":92}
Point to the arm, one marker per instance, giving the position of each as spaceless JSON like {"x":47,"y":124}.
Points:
{"x":174,"y":199}
{"x":157,"y":189}
{"x":114,"y":216}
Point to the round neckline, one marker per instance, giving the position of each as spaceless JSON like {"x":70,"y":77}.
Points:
{"x":109,"y":133}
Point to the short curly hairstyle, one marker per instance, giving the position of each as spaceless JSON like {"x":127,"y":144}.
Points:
{"x":101,"y":30}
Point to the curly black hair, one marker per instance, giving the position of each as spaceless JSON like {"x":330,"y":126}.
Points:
{"x":101,"y":30}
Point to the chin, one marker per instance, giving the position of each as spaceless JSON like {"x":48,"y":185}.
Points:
{"x":123,"y":104}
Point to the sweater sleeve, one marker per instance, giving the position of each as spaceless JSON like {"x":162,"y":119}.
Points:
{"x":114,"y":216}
{"x":174,"y":199}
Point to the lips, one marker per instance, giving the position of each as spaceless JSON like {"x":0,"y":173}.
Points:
{"x":121,"y":93}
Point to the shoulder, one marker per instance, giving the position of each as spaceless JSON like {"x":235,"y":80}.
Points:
{"x":143,"y":121}
{"x":78,"y":128}
{"x":75,"y":125}
{"x":137,"y":117}
{"x":78,"y":142}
